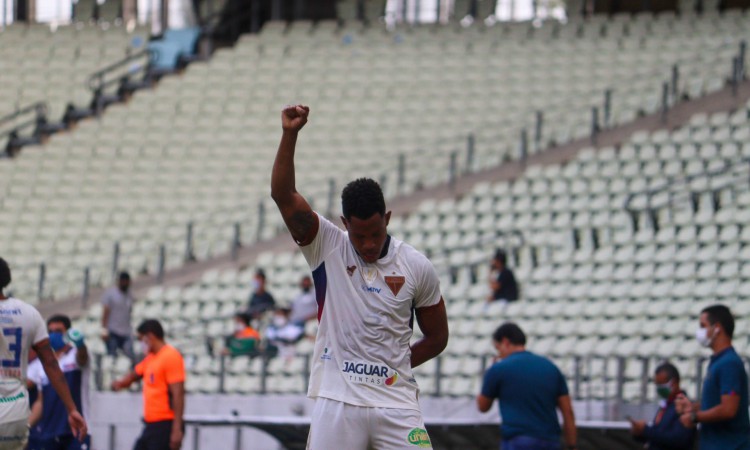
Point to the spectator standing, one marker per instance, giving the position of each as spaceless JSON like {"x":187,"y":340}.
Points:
{"x":665,"y":432}
{"x":304,"y":306}
{"x":50,"y":429}
{"x":722,"y":413}
{"x":117,"y":310}
{"x":502,"y":281}
{"x":530,"y":389}
{"x":163,"y":372}
{"x":22,"y":329}
{"x":260,"y":299}
{"x":244,"y":340}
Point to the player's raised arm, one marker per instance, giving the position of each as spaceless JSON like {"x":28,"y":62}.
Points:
{"x":298,"y":216}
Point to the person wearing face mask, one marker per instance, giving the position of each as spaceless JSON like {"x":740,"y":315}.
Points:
{"x":282,"y":334}
{"x":260,"y":299}
{"x":49,"y":429}
{"x":530,"y":389}
{"x":665,"y":432}
{"x":244,"y":340}
{"x":722,"y":414}
{"x":163,"y":375}
{"x":117,"y":309}
{"x":21,"y":330}
{"x":305,"y":306}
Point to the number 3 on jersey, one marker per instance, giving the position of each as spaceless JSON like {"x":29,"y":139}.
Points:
{"x":13,"y":347}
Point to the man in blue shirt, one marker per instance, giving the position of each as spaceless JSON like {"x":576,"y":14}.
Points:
{"x":530,"y":389}
{"x":665,"y":432}
{"x":722,"y":412}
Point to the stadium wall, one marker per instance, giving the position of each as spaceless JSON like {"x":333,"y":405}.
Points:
{"x":219,"y":422}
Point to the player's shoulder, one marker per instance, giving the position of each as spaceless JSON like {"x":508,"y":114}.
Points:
{"x":409,"y":254}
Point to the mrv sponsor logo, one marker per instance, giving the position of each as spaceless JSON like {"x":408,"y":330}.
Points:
{"x":368,"y":373}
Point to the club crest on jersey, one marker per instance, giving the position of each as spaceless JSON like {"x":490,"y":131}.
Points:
{"x":350,"y":270}
{"x":367,"y":373}
{"x":395,"y":283}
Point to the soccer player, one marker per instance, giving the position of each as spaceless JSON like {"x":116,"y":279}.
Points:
{"x":22,"y":329}
{"x":163,"y":370}
{"x":50,"y":429}
{"x":369,"y":286}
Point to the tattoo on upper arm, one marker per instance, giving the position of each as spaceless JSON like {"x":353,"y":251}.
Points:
{"x":301,"y":223}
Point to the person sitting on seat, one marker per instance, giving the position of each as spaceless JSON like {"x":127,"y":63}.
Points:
{"x":244,"y":340}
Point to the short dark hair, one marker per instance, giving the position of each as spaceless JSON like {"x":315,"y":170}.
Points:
{"x":510,"y":331}
{"x":721,"y":314}
{"x":244,"y":317}
{"x":151,"y":326}
{"x":260,"y":273}
{"x":5,"y":277}
{"x":501,"y":256}
{"x":124,"y":276}
{"x":60,"y":318}
{"x":669,"y":369}
{"x":362,"y":198}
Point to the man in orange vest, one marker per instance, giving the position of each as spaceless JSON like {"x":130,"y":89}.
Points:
{"x":163,"y":372}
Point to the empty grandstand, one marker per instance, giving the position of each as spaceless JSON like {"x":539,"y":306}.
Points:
{"x":559,"y":140}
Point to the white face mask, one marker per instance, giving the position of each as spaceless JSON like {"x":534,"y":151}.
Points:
{"x":701,"y":335}
{"x":144,"y":347}
{"x":239,"y":326}
{"x":279,"y":321}
{"x":254,"y":285}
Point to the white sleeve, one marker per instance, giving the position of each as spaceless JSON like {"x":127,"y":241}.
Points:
{"x":34,"y":372}
{"x":328,"y":237}
{"x":38,"y":329}
{"x":428,"y":287}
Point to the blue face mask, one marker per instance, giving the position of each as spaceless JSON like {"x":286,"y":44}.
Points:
{"x":56,"y":340}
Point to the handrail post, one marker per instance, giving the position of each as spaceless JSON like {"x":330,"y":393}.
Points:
{"x":222,"y":373}
{"x":331,"y":196}
{"x":42,"y":277}
{"x":86,"y":286}
{"x":438,"y":375}
{"x":524,"y":146}
{"x":112,"y":436}
{"x":470,"y":144}
{"x":620,"y":387}
{"x":595,"y":127}
{"x":664,"y":101}
{"x":735,"y":75}
{"x":264,"y":375}
{"x":189,"y":253}
{"x":644,"y":379}
{"x":261,"y":220}
{"x":698,"y":376}
{"x":675,"y":82}
{"x":538,"y":128}
{"x":607,"y":107}
{"x":236,"y":241}
{"x":161,"y":264}
{"x":115,"y":259}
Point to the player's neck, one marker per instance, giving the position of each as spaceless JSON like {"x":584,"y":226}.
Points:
{"x":158,"y":345}
{"x":3,"y":297}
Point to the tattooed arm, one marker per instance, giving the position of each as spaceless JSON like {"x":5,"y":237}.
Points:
{"x":298,"y":216}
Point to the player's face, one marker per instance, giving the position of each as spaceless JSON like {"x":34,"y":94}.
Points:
{"x":368,"y":235}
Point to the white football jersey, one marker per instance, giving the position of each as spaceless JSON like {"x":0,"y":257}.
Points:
{"x":22,"y":326}
{"x":362,"y":355}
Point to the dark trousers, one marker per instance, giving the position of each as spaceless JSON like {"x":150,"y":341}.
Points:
{"x":529,"y":443}
{"x":67,"y":442}
{"x":155,"y":436}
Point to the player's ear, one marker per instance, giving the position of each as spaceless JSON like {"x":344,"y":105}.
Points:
{"x":387,"y":218}
{"x":345,"y":222}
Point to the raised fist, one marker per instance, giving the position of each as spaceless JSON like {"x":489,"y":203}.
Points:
{"x":294,"y":117}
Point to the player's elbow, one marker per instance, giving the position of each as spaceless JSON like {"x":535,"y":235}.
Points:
{"x":439,"y":341}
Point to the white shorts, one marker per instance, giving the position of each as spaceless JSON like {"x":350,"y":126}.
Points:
{"x":14,"y":435}
{"x":337,"y":425}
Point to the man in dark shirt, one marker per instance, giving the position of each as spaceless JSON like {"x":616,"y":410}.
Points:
{"x":260,"y":299}
{"x":530,"y":389}
{"x":503,"y":282}
{"x":665,"y":432}
{"x":722,"y":412}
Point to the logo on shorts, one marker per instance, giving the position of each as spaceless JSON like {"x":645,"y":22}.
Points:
{"x":326,"y":356}
{"x":368,"y":373}
{"x":419,"y":437}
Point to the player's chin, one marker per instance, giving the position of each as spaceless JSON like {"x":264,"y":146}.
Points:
{"x":370,"y":258}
